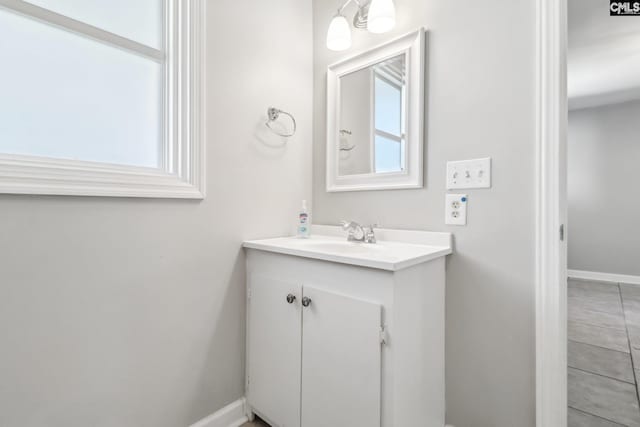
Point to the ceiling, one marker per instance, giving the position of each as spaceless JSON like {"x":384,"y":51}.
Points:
{"x":604,"y":55}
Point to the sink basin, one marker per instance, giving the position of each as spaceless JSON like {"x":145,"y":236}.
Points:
{"x":395,"y":250}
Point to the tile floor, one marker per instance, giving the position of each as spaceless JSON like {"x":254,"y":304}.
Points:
{"x":256,"y":423}
{"x":603,"y":354}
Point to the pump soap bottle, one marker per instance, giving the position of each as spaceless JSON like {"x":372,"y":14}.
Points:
{"x":304,"y":224}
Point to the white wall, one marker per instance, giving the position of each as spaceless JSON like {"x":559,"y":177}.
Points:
{"x":130,"y":312}
{"x":355,"y":98}
{"x":604,"y":197}
{"x":481,"y":88}
{"x":603,"y":62}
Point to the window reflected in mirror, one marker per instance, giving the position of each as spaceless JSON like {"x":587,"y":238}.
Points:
{"x":373,"y":119}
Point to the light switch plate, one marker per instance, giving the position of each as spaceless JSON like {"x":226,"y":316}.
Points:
{"x":474,"y":173}
{"x":455,"y":211}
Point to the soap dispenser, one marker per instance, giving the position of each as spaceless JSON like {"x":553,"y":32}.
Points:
{"x":304,"y":224}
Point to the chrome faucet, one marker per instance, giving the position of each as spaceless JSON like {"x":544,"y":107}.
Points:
{"x":369,"y":234}
{"x":358,"y":233}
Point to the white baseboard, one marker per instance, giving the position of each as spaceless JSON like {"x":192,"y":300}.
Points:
{"x":232,"y":415}
{"x":605,"y":277}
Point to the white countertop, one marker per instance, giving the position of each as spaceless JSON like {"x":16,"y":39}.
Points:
{"x":395,"y":249}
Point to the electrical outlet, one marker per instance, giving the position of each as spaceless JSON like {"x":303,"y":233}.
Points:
{"x":469,"y":174}
{"x":455,"y":212}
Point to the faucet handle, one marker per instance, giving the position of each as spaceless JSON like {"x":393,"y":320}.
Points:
{"x":371,"y":227}
{"x":356,"y":232}
{"x":370,"y":235}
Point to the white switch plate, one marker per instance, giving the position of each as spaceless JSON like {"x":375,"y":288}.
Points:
{"x":455,"y":210}
{"x":474,"y":173}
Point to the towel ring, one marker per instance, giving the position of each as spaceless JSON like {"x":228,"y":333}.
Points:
{"x":348,"y":148}
{"x":344,"y":132}
{"x":274,"y":114}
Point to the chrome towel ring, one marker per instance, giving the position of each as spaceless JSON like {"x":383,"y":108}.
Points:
{"x":346,"y":133}
{"x":273,"y":114}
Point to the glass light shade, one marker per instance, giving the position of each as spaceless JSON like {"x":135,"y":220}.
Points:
{"x":339,"y":34}
{"x":382,"y":16}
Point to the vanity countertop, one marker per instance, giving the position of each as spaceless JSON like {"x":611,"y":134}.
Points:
{"x":395,"y":249}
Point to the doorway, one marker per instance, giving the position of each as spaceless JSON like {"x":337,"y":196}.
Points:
{"x":603,"y":311}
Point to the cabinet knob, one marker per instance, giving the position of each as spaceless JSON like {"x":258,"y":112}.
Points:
{"x":291,"y":298}
{"x":306,"y":301}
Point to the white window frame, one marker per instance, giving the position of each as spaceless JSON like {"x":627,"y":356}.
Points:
{"x":181,"y":173}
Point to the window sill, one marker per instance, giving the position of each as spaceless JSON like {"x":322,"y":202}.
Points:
{"x":38,"y":175}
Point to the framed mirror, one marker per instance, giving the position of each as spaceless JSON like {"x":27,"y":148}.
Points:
{"x":375,"y":118}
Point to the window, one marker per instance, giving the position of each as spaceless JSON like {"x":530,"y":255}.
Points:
{"x":101,"y":97}
{"x":388,"y":122}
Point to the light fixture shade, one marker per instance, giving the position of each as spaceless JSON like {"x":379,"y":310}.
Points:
{"x":339,"y":34}
{"x":382,"y":16}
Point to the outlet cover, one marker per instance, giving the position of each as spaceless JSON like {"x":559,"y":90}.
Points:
{"x":455,"y":212}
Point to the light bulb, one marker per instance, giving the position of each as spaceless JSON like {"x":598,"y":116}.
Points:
{"x":382,"y":16}
{"x":339,"y":34}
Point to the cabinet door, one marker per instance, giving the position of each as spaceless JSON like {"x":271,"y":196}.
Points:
{"x":341,"y":367}
{"x":274,"y":345}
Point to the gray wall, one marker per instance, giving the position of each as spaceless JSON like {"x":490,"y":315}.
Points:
{"x":604,"y":197}
{"x":480,"y":103}
{"x":355,"y":99}
{"x":130,"y":312}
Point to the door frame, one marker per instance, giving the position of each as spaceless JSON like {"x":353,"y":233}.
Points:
{"x":551,"y":197}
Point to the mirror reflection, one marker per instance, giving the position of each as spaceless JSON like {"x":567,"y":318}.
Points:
{"x":372,"y":136}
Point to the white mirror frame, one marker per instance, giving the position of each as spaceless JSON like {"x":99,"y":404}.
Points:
{"x":413,"y":47}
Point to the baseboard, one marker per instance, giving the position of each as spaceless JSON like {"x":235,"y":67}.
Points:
{"x":232,"y":415}
{"x":605,"y":277}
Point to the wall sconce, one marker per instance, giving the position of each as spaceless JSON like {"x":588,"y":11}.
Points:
{"x":377,"y":16}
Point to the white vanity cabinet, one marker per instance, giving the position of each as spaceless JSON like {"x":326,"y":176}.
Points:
{"x":332,"y":346}
{"x":334,"y":343}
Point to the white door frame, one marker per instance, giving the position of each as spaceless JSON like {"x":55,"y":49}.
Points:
{"x":551,"y":264}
